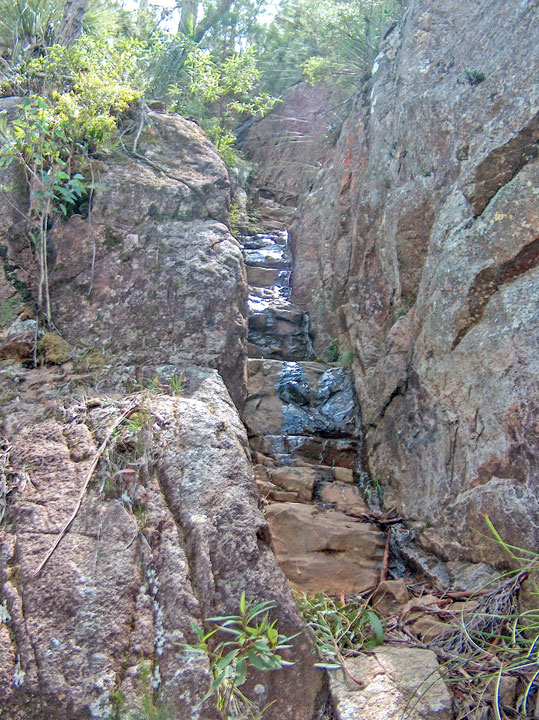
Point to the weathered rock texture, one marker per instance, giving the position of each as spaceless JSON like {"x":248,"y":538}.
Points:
{"x":153,"y":276}
{"x":397,"y":682}
{"x":325,"y":549}
{"x":417,"y":248}
{"x":168,"y":531}
{"x":294,"y":141}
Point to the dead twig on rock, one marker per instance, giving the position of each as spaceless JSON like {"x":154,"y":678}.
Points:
{"x":385,"y":563}
{"x":101,"y":449}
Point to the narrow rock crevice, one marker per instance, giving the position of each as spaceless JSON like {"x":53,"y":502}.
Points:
{"x":490,"y":280}
{"x":501,"y":165}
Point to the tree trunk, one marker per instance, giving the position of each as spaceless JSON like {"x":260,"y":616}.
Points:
{"x":188,"y":22}
{"x":188,"y":18}
{"x":71,"y":25}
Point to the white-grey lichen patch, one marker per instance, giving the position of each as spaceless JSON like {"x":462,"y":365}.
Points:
{"x":5,"y":617}
{"x":18,"y":673}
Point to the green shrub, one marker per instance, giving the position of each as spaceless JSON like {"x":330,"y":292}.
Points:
{"x":255,"y":642}
{"x":341,"y":628}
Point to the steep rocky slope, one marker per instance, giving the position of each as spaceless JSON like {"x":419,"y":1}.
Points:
{"x":416,"y":247}
{"x":126,"y":440}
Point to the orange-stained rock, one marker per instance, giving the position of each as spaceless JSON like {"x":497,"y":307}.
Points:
{"x":295,"y":479}
{"x":343,"y":497}
{"x":325,"y":550}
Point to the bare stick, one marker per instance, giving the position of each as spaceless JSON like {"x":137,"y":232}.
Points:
{"x":385,"y":564}
{"x":93,"y":465}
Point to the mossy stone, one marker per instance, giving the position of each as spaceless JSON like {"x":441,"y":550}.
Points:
{"x":55,"y":349}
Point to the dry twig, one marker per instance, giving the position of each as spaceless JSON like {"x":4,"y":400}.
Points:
{"x":101,"y":449}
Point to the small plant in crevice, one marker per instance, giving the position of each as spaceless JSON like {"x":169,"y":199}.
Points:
{"x":373,"y":491}
{"x":341,"y":628}
{"x":334,"y":353}
{"x":402,"y":310}
{"x":346,"y":358}
{"x":475,"y":77}
{"x":254,"y":642}
{"x":157,"y":385}
{"x":128,"y":457}
{"x":177,"y":383}
{"x":150,"y":705}
{"x":243,"y":222}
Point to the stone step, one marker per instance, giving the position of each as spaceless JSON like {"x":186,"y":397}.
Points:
{"x":263,"y":277}
{"x":309,"y":484}
{"x":321,"y":549}
{"x":274,"y":212}
{"x":309,"y":449}
{"x":268,"y":256}
{"x":260,"y":346}
{"x":304,"y":425}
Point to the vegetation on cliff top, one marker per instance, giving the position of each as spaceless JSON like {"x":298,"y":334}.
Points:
{"x":215,"y":61}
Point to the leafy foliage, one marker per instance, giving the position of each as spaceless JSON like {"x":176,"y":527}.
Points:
{"x":39,"y":141}
{"x":319,"y":40}
{"x":86,"y":87}
{"x":341,"y":628}
{"x":255,"y":641}
{"x":218,"y":94}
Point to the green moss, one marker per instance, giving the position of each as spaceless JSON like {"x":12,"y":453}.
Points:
{"x":9,"y":310}
{"x":113,"y":239}
{"x":55,"y":349}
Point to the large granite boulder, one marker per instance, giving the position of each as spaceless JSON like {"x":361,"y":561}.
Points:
{"x":168,"y":533}
{"x":152,"y":275}
{"x":417,"y":248}
{"x":161,"y":518}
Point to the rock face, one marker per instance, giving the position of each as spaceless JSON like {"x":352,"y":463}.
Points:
{"x":154,"y":275}
{"x":417,"y":248}
{"x":396,"y":682}
{"x":166,"y":529}
{"x":294,"y":141}
{"x":168,"y":533}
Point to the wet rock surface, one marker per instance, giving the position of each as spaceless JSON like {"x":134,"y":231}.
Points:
{"x":277,"y":328}
{"x":304,"y":427}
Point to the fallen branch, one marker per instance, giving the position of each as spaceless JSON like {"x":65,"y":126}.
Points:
{"x":385,"y":564}
{"x":101,"y":449}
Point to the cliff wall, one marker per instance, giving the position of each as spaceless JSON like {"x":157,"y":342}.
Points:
{"x":416,"y":246}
